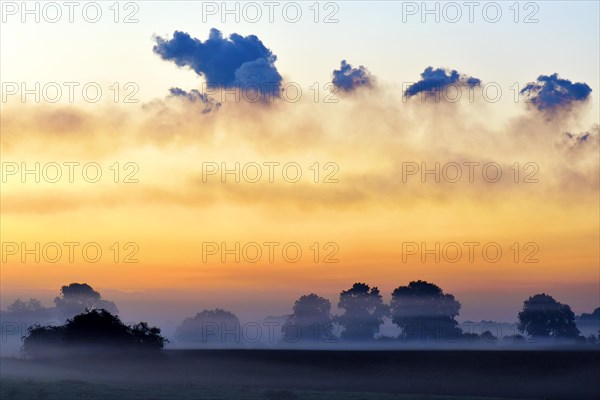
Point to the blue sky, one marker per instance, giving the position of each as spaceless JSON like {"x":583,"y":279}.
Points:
{"x":565,"y":40}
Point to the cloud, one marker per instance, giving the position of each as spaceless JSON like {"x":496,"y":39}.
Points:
{"x":435,"y":80}
{"x":550,"y":93}
{"x":195,"y":96}
{"x":577,"y":139}
{"x":234,"y":62}
{"x":348,"y":79}
{"x":370,"y":138}
{"x":589,"y":138}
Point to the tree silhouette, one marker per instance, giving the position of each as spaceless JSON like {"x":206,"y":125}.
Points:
{"x":210,"y":326}
{"x":78,"y":297}
{"x":42,"y":341}
{"x":311,"y":319}
{"x":147,"y":337}
{"x":422,"y":309}
{"x":20,"y":306}
{"x":363,"y":312}
{"x":544,"y":317}
{"x":489,"y":337}
{"x":96,"y":327}
{"x":594,"y":316}
{"x":31,"y":310}
{"x":93,"y":330}
{"x":589,"y":323}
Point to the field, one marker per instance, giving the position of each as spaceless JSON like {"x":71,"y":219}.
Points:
{"x":73,"y":389}
{"x":310,"y":375}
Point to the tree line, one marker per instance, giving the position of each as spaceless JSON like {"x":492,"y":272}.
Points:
{"x":421,"y":310}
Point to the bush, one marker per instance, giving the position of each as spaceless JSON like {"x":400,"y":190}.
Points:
{"x":93,"y":330}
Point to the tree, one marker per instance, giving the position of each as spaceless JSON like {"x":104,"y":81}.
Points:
{"x":78,"y":297}
{"x":147,"y":336}
{"x":594,"y":316}
{"x":514,"y":339}
{"x":544,"y":317}
{"x":311,"y":319}
{"x":363,"y":312}
{"x":423,"y":309}
{"x":18,"y":315}
{"x":93,"y":330}
{"x":20,"y":306}
{"x":589,"y":323}
{"x":489,"y":337}
{"x":42,"y":341}
{"x":25,"y":311}
{"x":210,"y":326}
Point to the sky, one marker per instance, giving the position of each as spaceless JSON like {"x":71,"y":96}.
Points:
{"x":363,"y":208}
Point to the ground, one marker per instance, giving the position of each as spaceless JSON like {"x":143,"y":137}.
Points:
{"x":309,"y":375}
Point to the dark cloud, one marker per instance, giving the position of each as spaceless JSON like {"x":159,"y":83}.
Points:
{"x":577,"y":138}
{"x":347,"y":78}
{"x":550,"y":93}
{"x":590,"y":138}
{"x":234,"y":62}
{"x":435,"y":80}
{"x":195,"y":96}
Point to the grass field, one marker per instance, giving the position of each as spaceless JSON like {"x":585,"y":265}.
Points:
{"x":17,"y":389}
{"x":310,"y":375}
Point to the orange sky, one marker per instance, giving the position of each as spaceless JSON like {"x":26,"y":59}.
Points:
{"x":170,"y":213}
